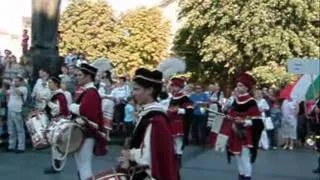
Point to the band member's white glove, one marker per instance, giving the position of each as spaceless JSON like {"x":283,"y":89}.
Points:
{"x":74,"y":108}
{"x":181,"y":111}
{"x":55,"y":109}
{"x":247,"y":123}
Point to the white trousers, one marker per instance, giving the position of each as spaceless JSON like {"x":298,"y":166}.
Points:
{"x":244,"y":164}
{"x":83,"y":159}
{"x":178,"y":142}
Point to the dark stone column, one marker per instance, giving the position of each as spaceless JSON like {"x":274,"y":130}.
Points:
{"x":44,"y":45}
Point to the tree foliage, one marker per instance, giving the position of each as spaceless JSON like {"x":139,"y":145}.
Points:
{"x":143,"y":40}
{"x":272,"y":74}
{"x":138,"y":38}
{"x":87,"y":26}
{"x":222,"y":38}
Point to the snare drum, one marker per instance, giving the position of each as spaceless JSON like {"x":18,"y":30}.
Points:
{"x":58,"y":135}
{"x":112,"y":175}
{"x":37,"y":123}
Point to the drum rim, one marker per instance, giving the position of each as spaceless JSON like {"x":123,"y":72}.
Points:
{"x":112,"y":175}
{"x":82,"y":140}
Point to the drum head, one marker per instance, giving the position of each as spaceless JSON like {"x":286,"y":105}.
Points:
{"x":76,"y":140}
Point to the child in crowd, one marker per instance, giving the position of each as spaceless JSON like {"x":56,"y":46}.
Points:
{"x":129,"y":116}
{"x":64,"y":88}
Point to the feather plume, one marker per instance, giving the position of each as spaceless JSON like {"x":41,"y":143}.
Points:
{"x":102,"y":64}
{"x":171,"y":67}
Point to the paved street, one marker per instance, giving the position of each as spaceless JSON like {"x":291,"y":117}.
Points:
{"x":198,"y":164}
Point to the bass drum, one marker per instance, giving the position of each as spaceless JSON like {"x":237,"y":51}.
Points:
{"x":66,"y":135}
{"x":37,"y":123}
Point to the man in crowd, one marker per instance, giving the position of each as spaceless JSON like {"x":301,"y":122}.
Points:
{"x":17,"y":97}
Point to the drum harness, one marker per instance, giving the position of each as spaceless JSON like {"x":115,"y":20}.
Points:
{"x":63,"y":158}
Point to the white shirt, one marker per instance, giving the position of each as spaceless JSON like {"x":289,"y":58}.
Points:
{"x":290,"y":110}
{"x":16,"y":101}
{"x":54,"y":106}
{"x":68,"y":96}
{"x":263,"y":106}
{"x":42,"y":94}
{"x":121,"y":93}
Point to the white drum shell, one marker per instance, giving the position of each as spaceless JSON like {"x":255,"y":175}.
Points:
{"x":37,"y":124}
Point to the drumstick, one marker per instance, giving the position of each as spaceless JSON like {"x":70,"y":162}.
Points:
{"x":221,"y":114}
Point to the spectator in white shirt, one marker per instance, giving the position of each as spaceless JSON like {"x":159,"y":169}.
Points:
{"x":17,"y":96}
{"x":41,"y":92}
{"x":119,"y":95}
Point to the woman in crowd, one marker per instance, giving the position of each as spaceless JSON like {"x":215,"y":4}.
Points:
{"x":290,"y":110}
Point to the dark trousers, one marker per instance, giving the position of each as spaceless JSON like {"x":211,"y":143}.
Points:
{"x":128,"y":128}
{"x":119,"y":113}
{"x":186,"y":127}
{"x":273,"y":137}
{"x":199,"y":129}
{"x":302,"y":129}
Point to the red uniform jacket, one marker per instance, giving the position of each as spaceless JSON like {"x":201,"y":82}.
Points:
{"x":179,"y":122}
{"x":246,"y":108}
{"x":164,"y":164}
{"x":90,"y":108}
{"x":63,"y":105}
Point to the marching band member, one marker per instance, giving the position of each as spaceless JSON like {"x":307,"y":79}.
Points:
{"x":179,"y":112}
{"x":105,"y":87}
{"x":89,"y":106}
{"x":247,"y":127}
{"x":56,"y":107}
{"x":151,"y":143}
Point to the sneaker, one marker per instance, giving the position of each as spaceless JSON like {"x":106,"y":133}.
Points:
{"x":274,"y":148}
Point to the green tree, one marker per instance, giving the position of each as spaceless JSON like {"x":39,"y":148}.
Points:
{"x":272,"y":74}
{"x":88,"y":26}
{"x":222,"y":38}
{"x":143,"y":40}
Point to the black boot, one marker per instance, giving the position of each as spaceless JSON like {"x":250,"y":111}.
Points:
{"x":179,"y":158}
{"x":51,"y":170}
{"x":316,"y":171}
{"x":246,"y":178}
{"x":241,"y":177}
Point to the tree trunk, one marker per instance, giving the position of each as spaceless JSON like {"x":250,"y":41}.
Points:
{"x":44,"y":45}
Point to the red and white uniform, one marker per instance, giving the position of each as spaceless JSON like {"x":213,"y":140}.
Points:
{"x":246,"y":108}
{"x":179,"y":112}
{"x":89,"y":106}
{"x":151,"y":138}
{"x":58,"y":105}
{"x":181,"y":105}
